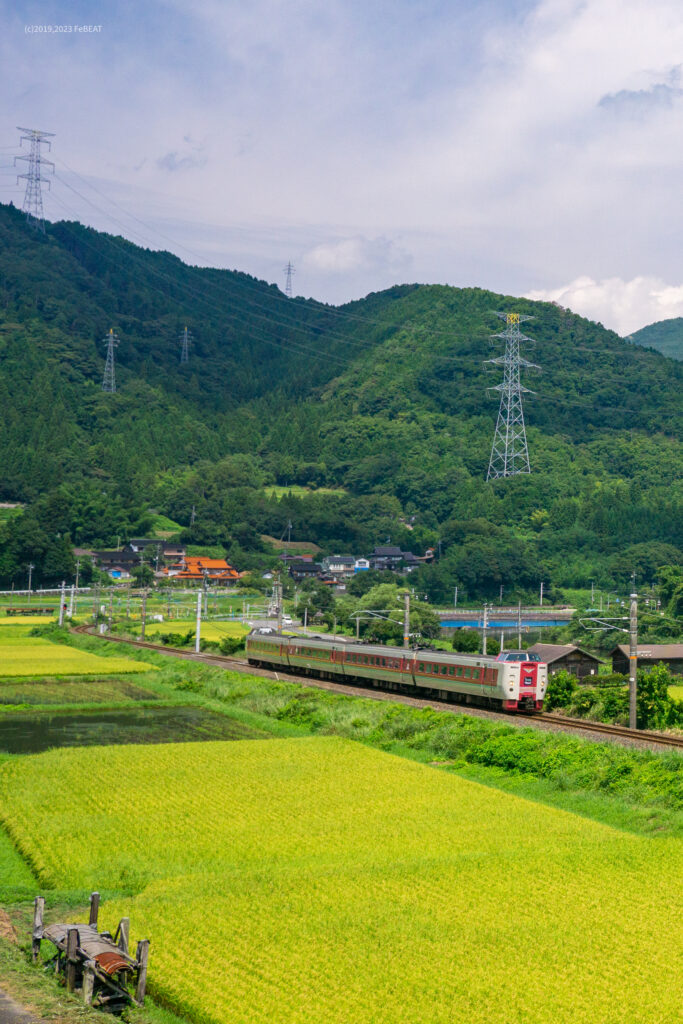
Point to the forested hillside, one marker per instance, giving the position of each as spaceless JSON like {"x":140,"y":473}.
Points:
{"x":382,"y":402}
{"x":666,"y":336}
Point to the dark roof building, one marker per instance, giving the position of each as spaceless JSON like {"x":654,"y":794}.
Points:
{"x":304,"y":570}
{"x":648,"y":655}
{"x":568,"y":657}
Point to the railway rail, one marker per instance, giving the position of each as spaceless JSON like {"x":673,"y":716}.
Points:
{"x":555,"y":721}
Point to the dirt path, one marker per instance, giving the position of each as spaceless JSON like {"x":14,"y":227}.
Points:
{"x":12,"y":1013}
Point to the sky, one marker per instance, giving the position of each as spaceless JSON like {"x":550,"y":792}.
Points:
{"x":533,"y":148}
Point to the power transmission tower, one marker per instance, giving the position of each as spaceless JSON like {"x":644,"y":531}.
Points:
{"x":509,"y":452}
{"x":33,"y":198}
{"x":289,"y":270}
{"x":109,"y":379}
{"x":185,"y":339}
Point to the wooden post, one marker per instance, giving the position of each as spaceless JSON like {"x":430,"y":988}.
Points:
{"x":94,"y":908}
{"x":38,"y":908}
{"x":88,"y":984}
{"x":71,"y":957}
{"x":124,"y":933}
{"x":142,"y":955}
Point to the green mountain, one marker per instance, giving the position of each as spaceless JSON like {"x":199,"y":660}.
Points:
{"x":377,"y":412}
{"x":666,"y":336}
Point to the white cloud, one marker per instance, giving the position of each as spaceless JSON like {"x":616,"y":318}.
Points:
{"x":358,"y":253}
{"x":624,"y":306}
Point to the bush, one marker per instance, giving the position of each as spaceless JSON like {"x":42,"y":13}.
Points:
{"x":561,"y":688}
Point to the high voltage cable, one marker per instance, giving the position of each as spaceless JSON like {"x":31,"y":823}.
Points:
{"x":282,"y":299}
{"x":250,"y":331}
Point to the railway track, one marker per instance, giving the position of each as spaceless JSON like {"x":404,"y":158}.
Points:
{"x":578,"y":725}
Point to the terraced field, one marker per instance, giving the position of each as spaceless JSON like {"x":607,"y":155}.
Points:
{"x":337,"y":883}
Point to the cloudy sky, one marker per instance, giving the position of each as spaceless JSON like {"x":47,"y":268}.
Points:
{"x":528,"y":147}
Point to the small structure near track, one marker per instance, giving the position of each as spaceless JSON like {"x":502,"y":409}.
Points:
{"x":31,"y":609}
{"x":97,"y":963}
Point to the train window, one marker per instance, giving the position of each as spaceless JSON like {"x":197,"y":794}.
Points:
{"x":467,"y":673}
{"x":365,"y":661}
{"x":444,"y":670}
{"x":421,"y":667}
{"x":451,"y":671}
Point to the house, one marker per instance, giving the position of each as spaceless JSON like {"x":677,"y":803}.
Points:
{"x":339,"y":565}
{"x":386,"y":557}
{"x":195,"y":568}
{"x":648,"y":655}
{"x":362,"y":565}
{"x":304,"y":569}
{"x":392,"y":558}
{"x":568,"y":657}
{"x":119,"y":564}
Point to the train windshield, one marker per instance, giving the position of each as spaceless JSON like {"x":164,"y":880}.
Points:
{"x":519,"y":656}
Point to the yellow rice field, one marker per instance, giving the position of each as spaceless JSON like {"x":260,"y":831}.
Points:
{"x":209,"y":630}
{"x":334,"y":883}
{"x":34,"y":656}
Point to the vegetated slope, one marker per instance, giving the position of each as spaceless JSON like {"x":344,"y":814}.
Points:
{"x":349,"y":884}
{"x":386,"y":397}
{"x":664,"y":335}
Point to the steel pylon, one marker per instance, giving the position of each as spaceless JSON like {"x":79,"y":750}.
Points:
{"x":509,"y":452}
{"x":33,"y":197}
{"x":109,"y":379}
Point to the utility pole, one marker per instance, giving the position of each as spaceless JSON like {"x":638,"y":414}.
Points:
{"x":31,"y":567}
{"x":61,"y":605}
{"x":455,"y":598}
{"x":289,"y":270}
{"x":519,"y":626}
{"x":205,"y":594}
{"x":128,"y":601}
{"x":109,"y":379}
{"x":33,"y":197}
{"x":278,"y":598}
{"x":185,"y":341}
{"x":509,"y":452}
{"x":406,"y":619}
{"x":542,"y":585}
{"x":500,"y":596}
{"x":484,"y":629}
{"x":143,"y":615}
{"x":198,"y":628}
{"x":592,"y":593}
{"x":95,"y":602}
{"x":78,"y":570}
{"x":193,"y":516}
{"x":111,"y":609}
{"x":633,"y":661}
{"x":71,"y":601}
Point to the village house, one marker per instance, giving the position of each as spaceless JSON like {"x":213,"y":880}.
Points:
{"x":567,"y":657}
{"x":648,"y":655}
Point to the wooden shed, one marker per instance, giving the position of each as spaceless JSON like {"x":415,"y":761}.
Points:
{"x":670,"y":655}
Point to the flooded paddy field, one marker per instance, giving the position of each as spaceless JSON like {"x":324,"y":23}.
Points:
{"x":38,"y":731}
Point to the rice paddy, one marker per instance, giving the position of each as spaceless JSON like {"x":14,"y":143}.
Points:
{"x":346,"y":884}
{"x":34,"y":656}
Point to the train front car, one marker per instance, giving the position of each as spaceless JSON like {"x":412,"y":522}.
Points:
{"x":523,"y":680}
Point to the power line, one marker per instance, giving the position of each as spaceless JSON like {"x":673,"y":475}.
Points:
{"x":509,"y":452}
{"x":33,"y":197}
{"x":109,"y":379}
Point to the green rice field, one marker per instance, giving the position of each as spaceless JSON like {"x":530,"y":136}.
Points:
{"x":34,"y":656}
{"x":346,"y":884}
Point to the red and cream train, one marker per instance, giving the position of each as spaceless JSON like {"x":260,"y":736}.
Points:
{"x":515,"y":681}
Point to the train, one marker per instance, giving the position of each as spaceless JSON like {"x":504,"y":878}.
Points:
{"x":514,"y":681}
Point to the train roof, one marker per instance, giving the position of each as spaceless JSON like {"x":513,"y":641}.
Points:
{"x":340,"y":644}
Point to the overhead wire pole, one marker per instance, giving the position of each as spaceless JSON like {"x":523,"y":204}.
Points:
{"x":33,"y":197}
{"x":509,"y":451}
{"x":633,"y":660}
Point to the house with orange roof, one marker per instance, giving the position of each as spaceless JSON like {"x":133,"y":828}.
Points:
{"x":198,"y":567}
